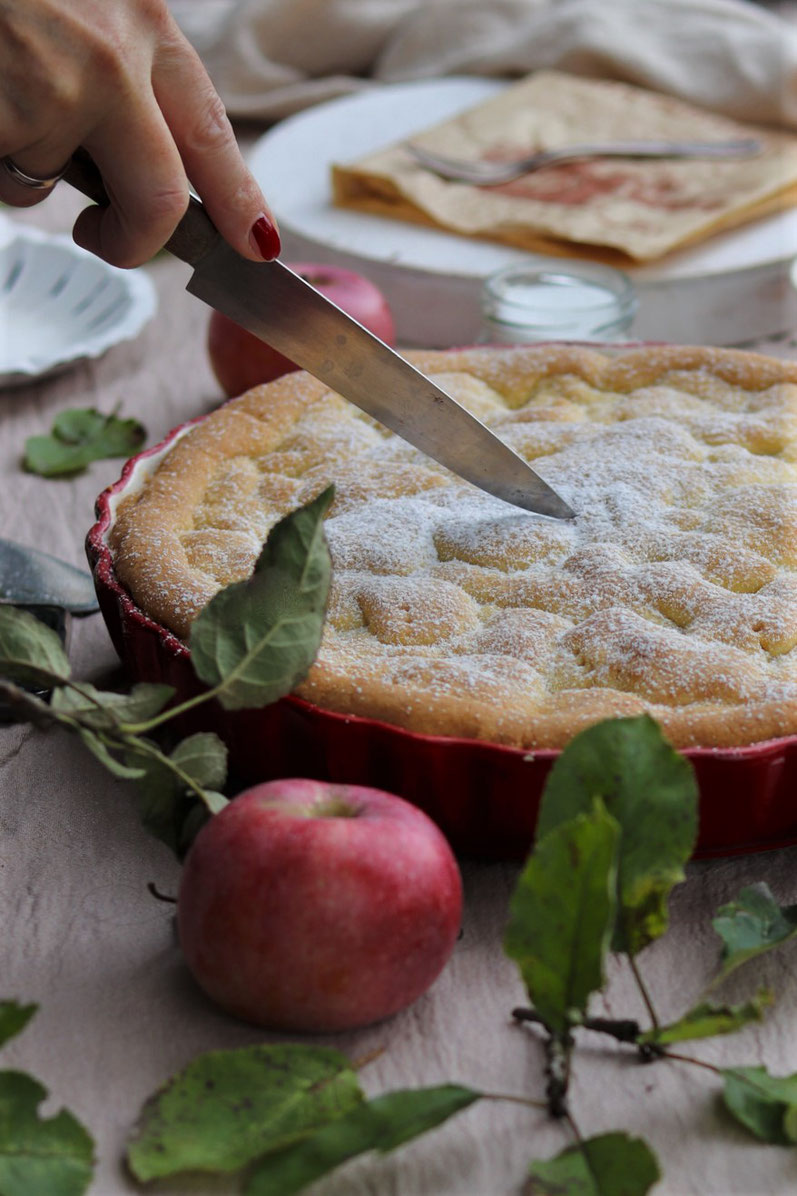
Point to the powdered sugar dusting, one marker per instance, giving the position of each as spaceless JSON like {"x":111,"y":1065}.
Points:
{"x":674,"y":590}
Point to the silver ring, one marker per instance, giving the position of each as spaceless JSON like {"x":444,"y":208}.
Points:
{"x":31,"y":180}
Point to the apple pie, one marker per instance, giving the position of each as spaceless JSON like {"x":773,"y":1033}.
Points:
{"x":673,"y":591}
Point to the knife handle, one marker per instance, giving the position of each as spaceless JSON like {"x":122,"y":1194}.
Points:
{"x":195,"y":234}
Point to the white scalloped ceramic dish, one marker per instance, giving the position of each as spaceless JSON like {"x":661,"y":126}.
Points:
{"x":60,"y":305}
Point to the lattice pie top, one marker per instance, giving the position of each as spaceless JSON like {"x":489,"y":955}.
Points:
{"x":673,"y":592}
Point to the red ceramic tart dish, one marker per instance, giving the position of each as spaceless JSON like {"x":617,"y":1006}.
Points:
{"x":466,"y":641}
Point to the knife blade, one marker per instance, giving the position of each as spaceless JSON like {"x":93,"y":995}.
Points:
{"x":285,"y":311}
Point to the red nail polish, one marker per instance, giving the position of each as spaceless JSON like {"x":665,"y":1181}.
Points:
{"x":265,"y":238}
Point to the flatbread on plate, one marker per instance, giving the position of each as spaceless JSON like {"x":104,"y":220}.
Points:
{"x":617,"y":210}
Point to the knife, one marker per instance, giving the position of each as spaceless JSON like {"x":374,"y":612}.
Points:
{"x":50,"y":589}
{"x":279,"y":307}
{"x":29,"y":577}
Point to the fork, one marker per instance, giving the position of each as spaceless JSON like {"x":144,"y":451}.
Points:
{"x":491,"y":173}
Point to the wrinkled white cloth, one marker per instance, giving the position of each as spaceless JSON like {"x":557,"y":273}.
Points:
{"x":269,"y":58}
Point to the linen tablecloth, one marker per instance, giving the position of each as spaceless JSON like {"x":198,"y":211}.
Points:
{"x":83,"y":937}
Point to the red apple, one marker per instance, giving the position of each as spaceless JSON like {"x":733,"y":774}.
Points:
{"x":240,"y":361}
{"x":310,"y":906}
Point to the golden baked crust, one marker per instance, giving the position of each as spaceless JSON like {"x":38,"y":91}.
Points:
{"x":452,"y":613}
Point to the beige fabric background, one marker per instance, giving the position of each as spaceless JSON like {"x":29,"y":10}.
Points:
{"x":270,"y":58}
{"x":119,"y":1012}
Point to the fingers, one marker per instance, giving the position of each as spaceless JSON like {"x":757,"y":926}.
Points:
{"x":28,"y":87}
{"x":210,"y":153}
{"x":24,"y":188}
{"x":44,"y":161}
{"x":122,"y":81}
{"x":146,"y":184}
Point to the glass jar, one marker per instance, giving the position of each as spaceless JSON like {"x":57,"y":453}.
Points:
{"x":545,"y":299}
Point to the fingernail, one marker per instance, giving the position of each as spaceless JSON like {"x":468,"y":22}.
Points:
{"x":265,"y":239}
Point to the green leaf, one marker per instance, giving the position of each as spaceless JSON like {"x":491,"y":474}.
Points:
{"x":161,"y":805}
{"x":197,"y":813}
{"x":203,"y":758}
{"x":214,"y":802}
{"x":100,"y":749}
{"x":651,"y":790}
{"x":608,"y":1165}
{"x":169,"y":809}
{"x":78,"y":437}
{"x":30,"y":652}
{"x":750,"y":925}
{"x":51,"y":1156}
{"x":561,"y":916}
{"x":105,"y":710}
{"x":14,"y":1018}
{"x":227,"y":1108}
{"x":707,"y":1020}
{"x":259,"y":637}
{"x":766,"y":1105}
{"x":382,"y":1124}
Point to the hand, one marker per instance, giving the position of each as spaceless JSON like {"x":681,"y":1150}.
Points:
{"x":118,"y":78}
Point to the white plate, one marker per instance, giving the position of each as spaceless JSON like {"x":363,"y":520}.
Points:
{"x":60,"y":305}
{"x":729,"y":290}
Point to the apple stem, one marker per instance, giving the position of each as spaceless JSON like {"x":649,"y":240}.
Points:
{"x":335,"y":807}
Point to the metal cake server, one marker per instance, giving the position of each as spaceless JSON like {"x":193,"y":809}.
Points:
{"x":29,"y":577}
{"x":50,"y":589}
{"x":282,"y":309}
